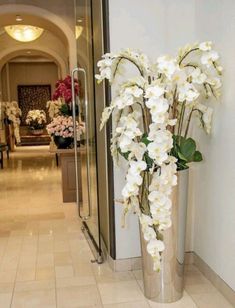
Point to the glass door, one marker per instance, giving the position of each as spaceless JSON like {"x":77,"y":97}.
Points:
{"x":86,"y":149}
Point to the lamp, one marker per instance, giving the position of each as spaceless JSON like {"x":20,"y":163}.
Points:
{"x":24,"y":33}
{"x":78,"y":31}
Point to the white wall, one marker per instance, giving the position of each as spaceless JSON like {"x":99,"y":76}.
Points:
{"x":214,"y":239}
{"x":155,"y":27}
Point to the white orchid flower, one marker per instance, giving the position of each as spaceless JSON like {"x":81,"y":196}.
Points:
{"x":159,"y":135}
{"x":149,"y":233}
{"x":167,"y":65}
{"x":158,"y":152}
{"x":104,"y":63}
{"x":137,"y":150}
{"x":130,"y":189}
{"x":134,"y":91}
{"x":124,"y":143}
{"x":197,"y":76}
{"x":215,"y":82}
{"x":187,"y":92}
{"x":208,"y":58}
{"x":155,"y":246}
{"x":158,"y":198}
{"x":136,"y":167}
{"x":134,"y":179}
{"x":105,"y":115}
{"x":123,"y":101}
{"x":207,"y":119}
{"x":160,"y":105}
{"x":165,"y":224}
{"x":205,"y":46}
{"x":145,"y":220}
{"x":154,"y":91}
{"x":179,"y":76}
{"x":158,"y":118}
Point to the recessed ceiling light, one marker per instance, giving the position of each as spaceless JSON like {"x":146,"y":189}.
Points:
{"x":28,"y":52}
{"x":19,"y":18}
{"x":79,"y":20}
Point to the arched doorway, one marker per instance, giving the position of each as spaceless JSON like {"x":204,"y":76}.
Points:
{"x":42,"y":18}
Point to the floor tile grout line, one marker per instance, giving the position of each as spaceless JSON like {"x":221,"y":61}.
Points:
{"x":13,"y":291}
{"x":55,"y":275}
{"x":191,"y":298}
{"x":145,"y":298}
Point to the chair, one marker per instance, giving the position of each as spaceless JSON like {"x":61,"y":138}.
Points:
{"x":3,"y":147}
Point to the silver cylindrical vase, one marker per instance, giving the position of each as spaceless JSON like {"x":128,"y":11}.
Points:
{"x":167,"y":285}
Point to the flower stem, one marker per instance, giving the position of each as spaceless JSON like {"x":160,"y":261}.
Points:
{"x":181,"y":120}
{"x":132,"y":61}
{"x":187,"y":53}
{"x":188,"y":123}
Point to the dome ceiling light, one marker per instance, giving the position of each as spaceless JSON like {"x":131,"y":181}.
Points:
{"x":24,"y":33}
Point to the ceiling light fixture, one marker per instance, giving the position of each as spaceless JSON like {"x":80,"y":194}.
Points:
{"x":24,"y":33}
{"x":19,"y":18}
{"x":78,"y":31}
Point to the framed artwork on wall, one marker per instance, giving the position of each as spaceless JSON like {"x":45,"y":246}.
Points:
{"x":33,"y":97}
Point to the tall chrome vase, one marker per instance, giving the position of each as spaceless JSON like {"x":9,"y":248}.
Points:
{"x":167,"y":285}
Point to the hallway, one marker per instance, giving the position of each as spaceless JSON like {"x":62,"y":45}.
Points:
{"x":44,"y":257}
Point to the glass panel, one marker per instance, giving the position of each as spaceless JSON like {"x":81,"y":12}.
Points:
{"x":88,"y":151}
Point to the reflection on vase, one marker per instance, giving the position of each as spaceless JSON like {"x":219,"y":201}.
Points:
{"x":167,"y":285}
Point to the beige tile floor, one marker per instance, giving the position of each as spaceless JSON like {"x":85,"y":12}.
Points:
{"x":44,"y":258}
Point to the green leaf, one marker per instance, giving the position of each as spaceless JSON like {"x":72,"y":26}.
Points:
{"x":197,"y":156}
{"x":64,"y":109}
{"x":181,"y":165}
{"x":145,"y":140}
{"x":125,"y":155}
{"x":148,"y":160}
{"x":188,"y":148}
{"x":181,"y":156}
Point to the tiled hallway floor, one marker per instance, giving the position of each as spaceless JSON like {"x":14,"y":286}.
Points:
{"x":44,"y":258}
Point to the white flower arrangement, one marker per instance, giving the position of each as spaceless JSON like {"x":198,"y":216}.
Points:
{"x":13,"y":114}
{"x":54,"y":107}
{"x":152,"y":113}
{"x":36,"y":119}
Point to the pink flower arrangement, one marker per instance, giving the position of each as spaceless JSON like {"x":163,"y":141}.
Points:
{"x":64,"y":89}
{"x":61,"y":126}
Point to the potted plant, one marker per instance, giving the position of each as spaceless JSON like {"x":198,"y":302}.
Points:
{"x":54,"y":108}
{"x":152,"y":112}
{"x":36,"y":119}
{"x":63,"y":95}
{"x":62,"y":130}
{"x":12,"y":117}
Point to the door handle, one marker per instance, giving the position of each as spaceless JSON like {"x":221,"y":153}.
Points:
{"x":74,"y":71}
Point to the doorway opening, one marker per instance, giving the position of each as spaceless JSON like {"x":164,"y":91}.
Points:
{"x":32,"y":74}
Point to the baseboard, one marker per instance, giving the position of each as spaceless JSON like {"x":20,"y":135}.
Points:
{"x":216,"y":280}
{"x":191,"y":257}
{"x":132,"y":264}
{"x":121,"y":265}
